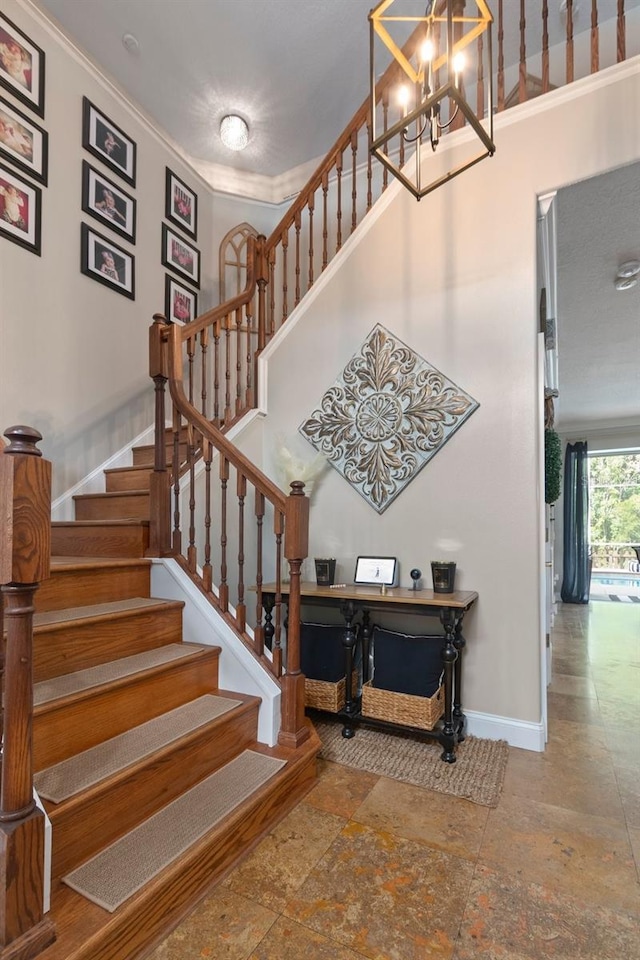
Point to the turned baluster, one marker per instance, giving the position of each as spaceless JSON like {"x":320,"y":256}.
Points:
{"x":25,"y":550}
{"x":238,"y":361}
{"x":207,"y":570}
{"x":241,"y":609}
{"x":545,"y":46}
{"x":569,"y":41}
{"x":216,"y":374}
{"x":500,"y":57}
{"x":310,"y":207}
{"x":159,"y":481}
{"x":325,"y":229}
{"x":223,"y":595}
{"x":595,"y":38}
{"x":369,"y":170}
{"x":227,"y":369}
{"x":522,"y":66}
{"x":192,"y":553}
{"x":339,"y":161}
{"x":354,"y":182}
{"x":204,"y":343}
{"x":480,"y":81}
{"x":248,"y":400}
{"x":621,"y":48}
{"x":259,"y":515}
{"x":285,"y":279}
{"x":298,"y":268}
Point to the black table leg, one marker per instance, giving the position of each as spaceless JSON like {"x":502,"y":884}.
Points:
{"x":349,"y":642}
{"x":365,"y":637}
{"x":459,"y":719}
{"x":447,"y":734}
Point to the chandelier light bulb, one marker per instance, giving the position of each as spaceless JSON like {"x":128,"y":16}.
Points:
{"x":427,"y":51}
{"x":234,"y":132}
{"x":458,"y":63}
{"x":403,"y":98}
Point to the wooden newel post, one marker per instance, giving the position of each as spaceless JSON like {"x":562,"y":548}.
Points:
{"x":25,"y":551}
{"x":293,"y":728}
{"x":160,"y":481}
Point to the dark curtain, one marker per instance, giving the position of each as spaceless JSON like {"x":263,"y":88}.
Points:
{"x":576,"y":561}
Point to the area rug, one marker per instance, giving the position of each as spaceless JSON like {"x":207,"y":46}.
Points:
{"x":477,"y":775}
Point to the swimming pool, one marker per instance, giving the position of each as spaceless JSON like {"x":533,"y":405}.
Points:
{"x":616,"y":581}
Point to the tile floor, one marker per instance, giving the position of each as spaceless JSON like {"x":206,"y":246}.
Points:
{"x":365,"y":867}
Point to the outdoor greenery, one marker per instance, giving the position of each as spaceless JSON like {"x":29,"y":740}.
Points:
{"x":552,"y":466}
{"x":614,"y":503}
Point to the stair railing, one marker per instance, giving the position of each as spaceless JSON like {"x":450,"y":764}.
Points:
{"x":25,"y":549}
{"x":227,"y":524}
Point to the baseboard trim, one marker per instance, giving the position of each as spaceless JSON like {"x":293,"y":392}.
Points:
{"x":517,"y":733}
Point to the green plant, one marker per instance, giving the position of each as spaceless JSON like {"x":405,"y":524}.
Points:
{"x":552,"y":466}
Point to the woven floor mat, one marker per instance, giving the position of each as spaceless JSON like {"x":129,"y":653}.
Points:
{"x":70,"y":776}
{"x":115,"y":874}
{"x":477,"y":774}
{"x":58,"y":687}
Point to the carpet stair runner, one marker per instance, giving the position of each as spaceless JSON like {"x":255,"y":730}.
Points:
{"x":151,"y":776}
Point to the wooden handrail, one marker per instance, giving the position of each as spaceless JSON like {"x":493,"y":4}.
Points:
{"x":25,"y":549}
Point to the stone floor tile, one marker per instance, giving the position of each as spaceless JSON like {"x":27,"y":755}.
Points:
{"x":385,"y":897}
{"x":628,"y":782}
{"x":288,"y":940}
{"x":448,"y":823}
{"x":634,"y":838}
{"x":572,"y":664}
{"x":225,"y":926}
{"x":340,"y":789}
{"x":572,"y":686}
{"x":516,"y":920}
{"x":577,"y":709}
{"x":620,"y":713}
{"x":282,"y":861}
{"x":565,"y":849}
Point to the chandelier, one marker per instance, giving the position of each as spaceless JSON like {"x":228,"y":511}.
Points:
{"x":436,"y":66}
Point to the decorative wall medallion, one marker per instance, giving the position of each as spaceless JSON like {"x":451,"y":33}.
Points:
{"x":386,"y":415}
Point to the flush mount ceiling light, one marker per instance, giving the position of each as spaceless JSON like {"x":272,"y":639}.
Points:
{"x":431,"y":99}
{"x":234,"y":132}
{"x":628,"y":275}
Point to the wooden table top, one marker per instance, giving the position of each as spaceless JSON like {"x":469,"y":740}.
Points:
{"x":369,"y":595}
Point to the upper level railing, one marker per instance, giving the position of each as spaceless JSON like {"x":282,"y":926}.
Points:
{"x":211,"y":363}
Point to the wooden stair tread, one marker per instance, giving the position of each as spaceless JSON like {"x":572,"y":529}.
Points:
{"x":84,"y":770}
{"x":79,"y":524}
{"x":97,"y":611}
{"x":71,"y":685}
{"x":74,"y":563}
{"x":113,"y":495}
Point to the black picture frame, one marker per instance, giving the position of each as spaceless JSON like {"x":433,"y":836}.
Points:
{"x":21,"y":66}
{"x":20,"y":211}
{"x":180,"y":256}
{"x":180,"y":303}
{"x":119,"y":274}
{"x":105,"y":140}
{"x":23,"y":143}
{"x":108,"y":203}
{"x":181,"y":204}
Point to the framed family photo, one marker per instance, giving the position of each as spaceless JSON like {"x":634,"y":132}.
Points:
{"x":104,"y":200}
{"x":180,"y":256}
{"x":180,"y":304}
{"x":20,"y":210}
{"x":21,"y":66}
{"x":22,"y":142}
{"x":107,"y":142}
{"x":181,"y":205}
{"x":106,"y":262}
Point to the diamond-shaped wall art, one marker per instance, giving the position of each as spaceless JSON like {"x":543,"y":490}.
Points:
{"x":386,"y":415}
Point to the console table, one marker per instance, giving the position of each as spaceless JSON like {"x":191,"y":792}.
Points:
{"x":350,"y":600}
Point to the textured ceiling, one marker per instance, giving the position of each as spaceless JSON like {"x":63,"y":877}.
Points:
{"x":598,"y":327}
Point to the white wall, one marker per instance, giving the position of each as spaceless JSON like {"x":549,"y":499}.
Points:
{"x":454,"y":276}
{"x":74,"y":352}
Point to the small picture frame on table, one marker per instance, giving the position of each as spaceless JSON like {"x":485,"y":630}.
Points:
{"x":108,"y":203}
{"x":180,"y":303}
{"x":21,"y":66}
{"x":180,"y":256}
{"x":181,"y":204}
{"x":104,"y":261}
{"x":20,"y":211}
{"x":106,"y":141}
{"x":22,"y":142}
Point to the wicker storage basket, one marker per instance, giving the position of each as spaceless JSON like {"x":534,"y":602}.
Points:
{"x":403,"y":708}
{"x":322,"y":695}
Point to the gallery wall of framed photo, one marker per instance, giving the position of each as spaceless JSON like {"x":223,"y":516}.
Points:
{"x":86,"y":371}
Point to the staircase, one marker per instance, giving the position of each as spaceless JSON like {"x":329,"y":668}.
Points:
{"x":109,"y":659}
